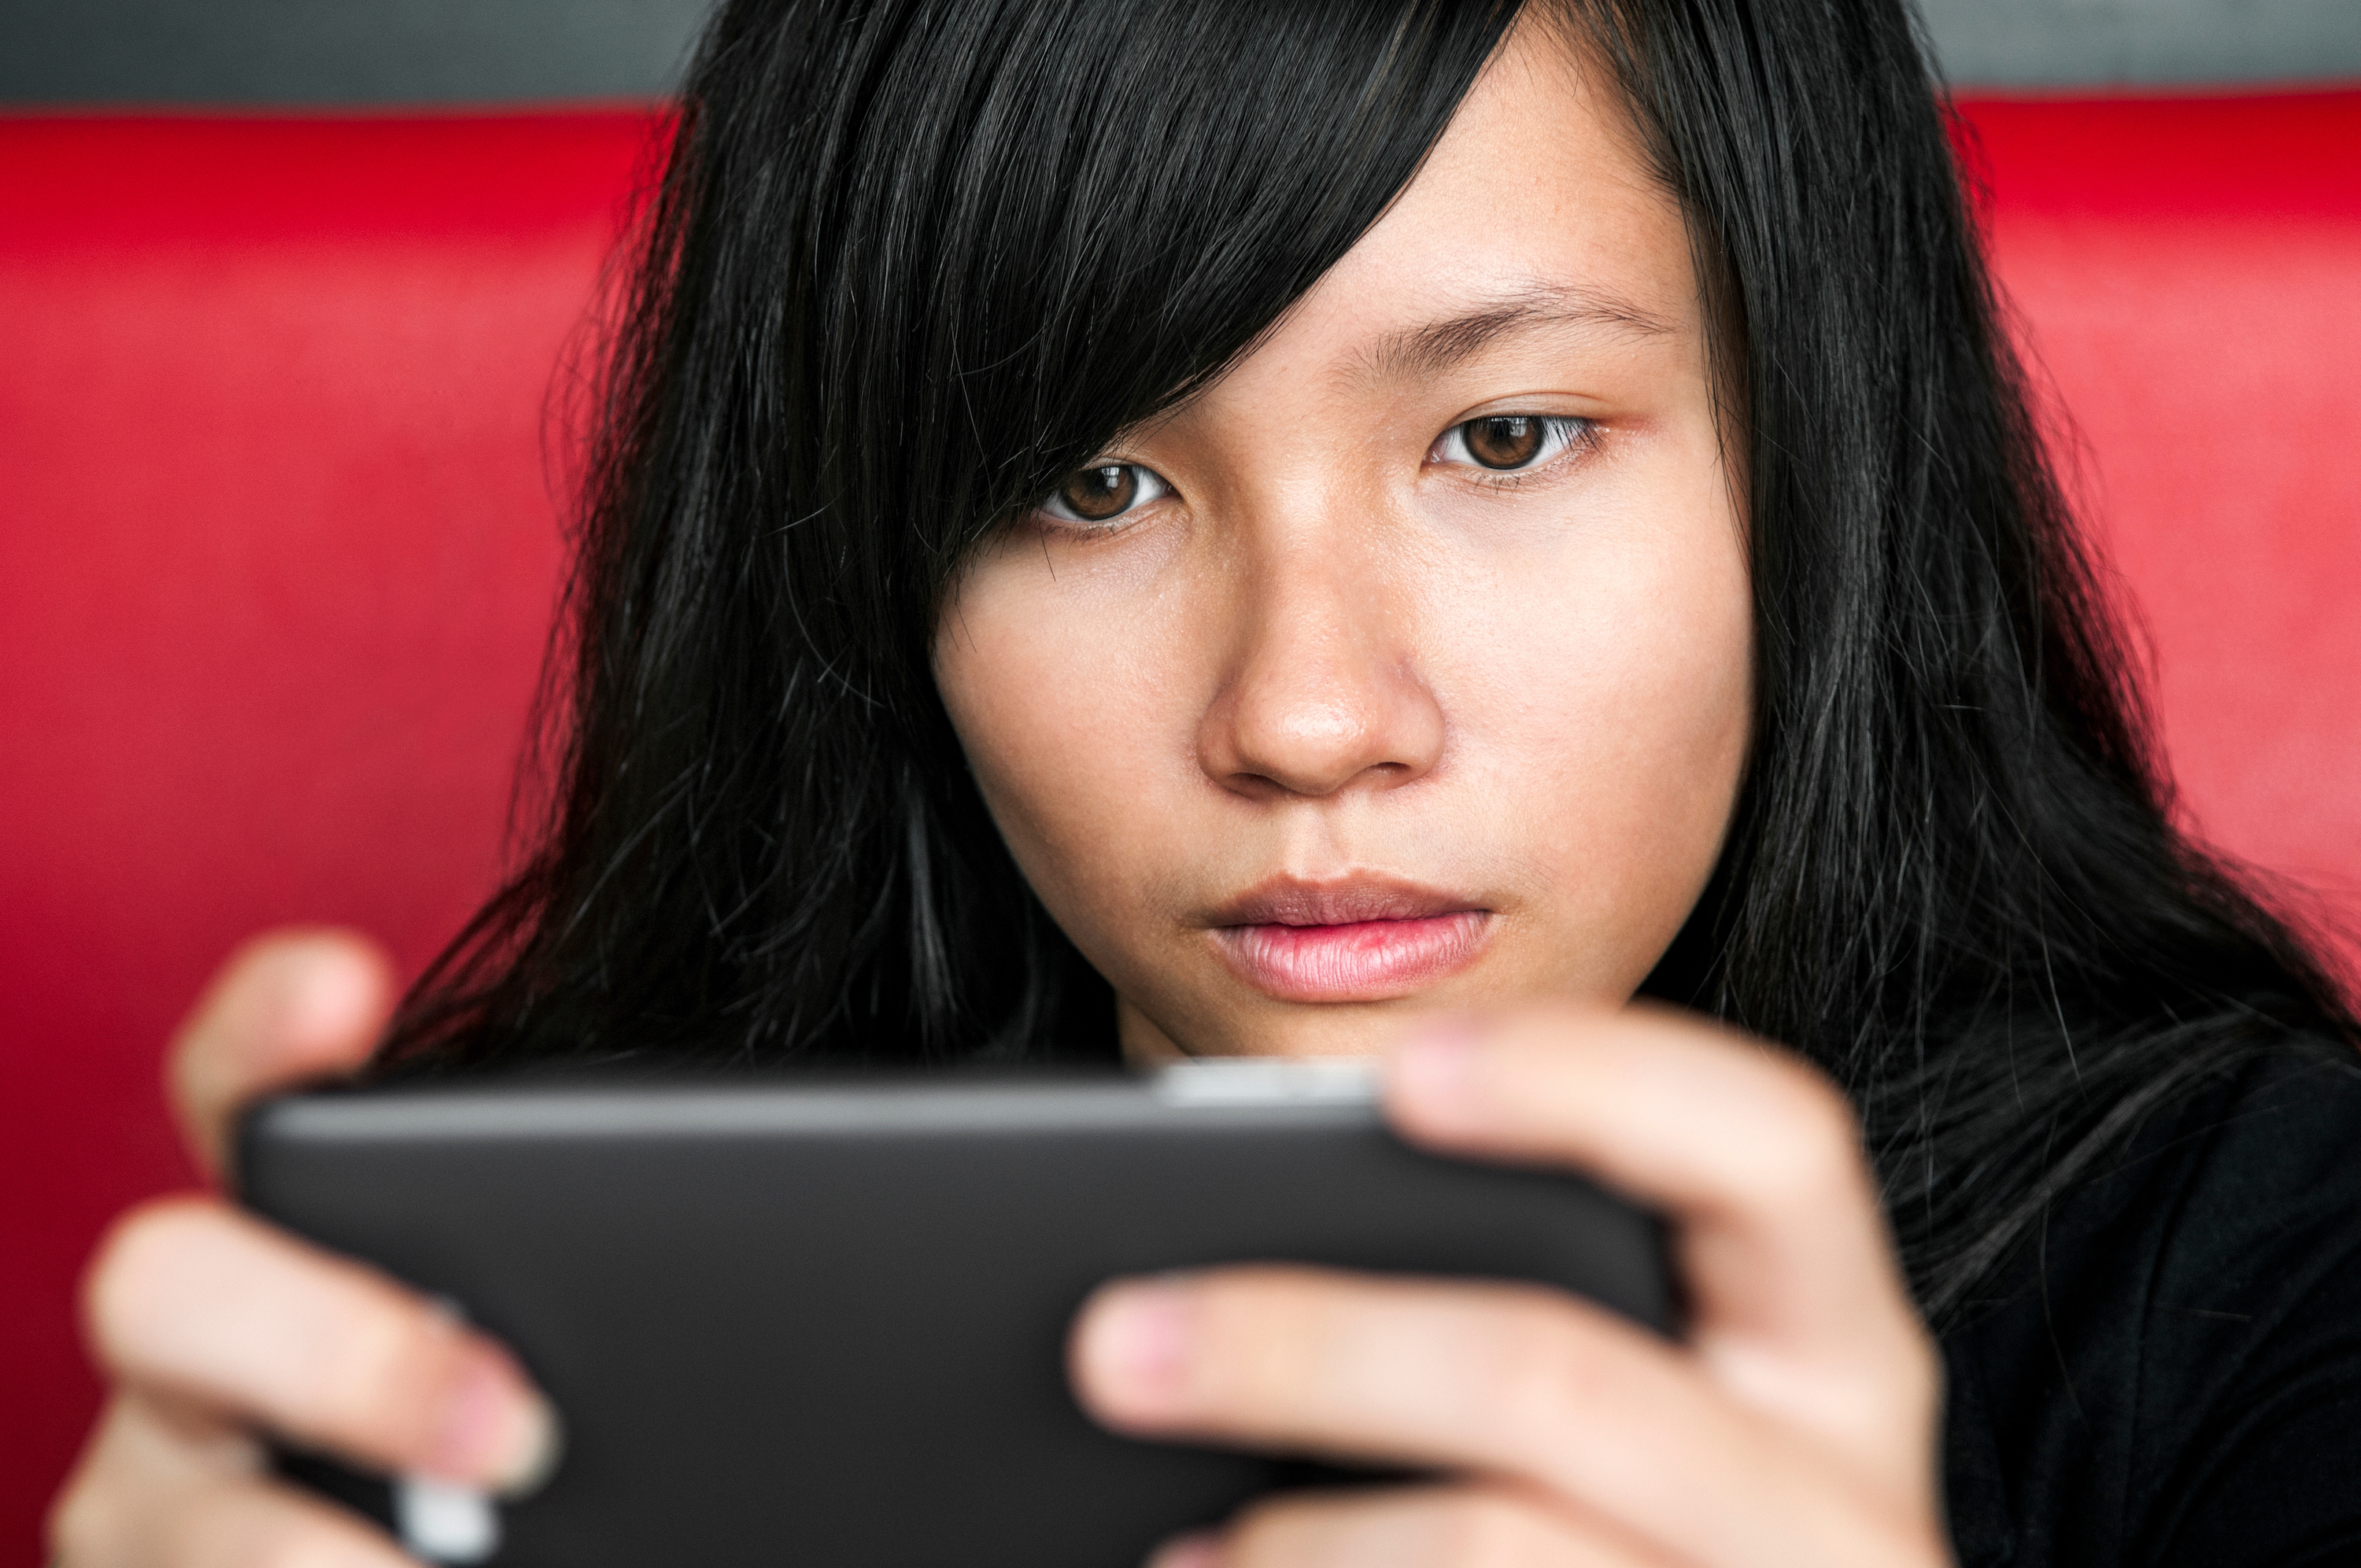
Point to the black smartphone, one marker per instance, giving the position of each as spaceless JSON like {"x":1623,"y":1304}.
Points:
{"x":822,"y":1322}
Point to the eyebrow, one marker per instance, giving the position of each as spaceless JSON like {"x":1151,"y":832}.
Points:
{"x":1435,"y":346}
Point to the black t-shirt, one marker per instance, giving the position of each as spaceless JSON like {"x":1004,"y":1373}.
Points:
{"x":2175,"y":1379}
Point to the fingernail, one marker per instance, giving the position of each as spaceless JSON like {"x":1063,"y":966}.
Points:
{"x":1198,"y":1549}
{"x":318,"y":994}
{"x":1136,"y":1345}
{"x":497,"y":1432}
{"x":540,"y":1445}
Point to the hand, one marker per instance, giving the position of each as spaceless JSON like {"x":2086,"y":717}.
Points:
{"x":212,"y":1326}
{"x":1796,"y":1424}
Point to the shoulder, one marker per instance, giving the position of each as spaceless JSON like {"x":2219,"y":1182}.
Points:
{"x":2168,"y":1375}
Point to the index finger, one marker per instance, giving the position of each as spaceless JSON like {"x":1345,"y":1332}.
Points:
{"x":288,"y":1006}
{"x":1755,"y":1157}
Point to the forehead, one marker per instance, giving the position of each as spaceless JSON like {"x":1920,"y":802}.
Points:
{"x":1537,"y":206}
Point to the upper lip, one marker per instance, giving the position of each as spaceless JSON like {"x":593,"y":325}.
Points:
{"x":1291,"y":901}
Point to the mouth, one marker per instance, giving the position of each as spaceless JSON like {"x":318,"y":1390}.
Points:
{"x":1361,"y":940}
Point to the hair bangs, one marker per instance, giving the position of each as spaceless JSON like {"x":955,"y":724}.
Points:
{"x":911,"y":262}
{"x":1118,"y":202}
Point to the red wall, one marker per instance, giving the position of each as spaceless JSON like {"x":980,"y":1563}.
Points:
{"x":278,"y":552}
{"x":2189,"y":274}
{"x":278,"y":548}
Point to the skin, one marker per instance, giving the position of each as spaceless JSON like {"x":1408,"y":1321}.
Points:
{"x":1334,"y":650}
{"x":1329,"y":654}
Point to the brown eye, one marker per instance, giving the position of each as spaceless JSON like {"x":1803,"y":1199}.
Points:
{"x":1507,"y":443}
{"x":1103,"y":492}
{"x":1504,"y":440}
{"x":1100,"y":493}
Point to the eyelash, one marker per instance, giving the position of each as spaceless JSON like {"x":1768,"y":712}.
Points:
{"x":1562,"y":433}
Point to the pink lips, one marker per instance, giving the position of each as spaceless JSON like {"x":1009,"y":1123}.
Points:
{"x":1359,"y":942}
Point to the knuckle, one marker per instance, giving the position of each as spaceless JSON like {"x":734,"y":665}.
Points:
{"x":245,"y":1524}
{"x":95,"y":1516}
{"x":294,"y":1547}
{"x":135,"y":1266}
{"x":1529,"y":1368}
{"x":1920,"y":1383}
{"x":186,"y":1294}
{"x":382,"y":1370}
{"x":1263,"y":1337}
{"x":1266,"y":1531}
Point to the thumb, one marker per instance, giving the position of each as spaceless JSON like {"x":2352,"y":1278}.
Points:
{"x":288,"y":1006}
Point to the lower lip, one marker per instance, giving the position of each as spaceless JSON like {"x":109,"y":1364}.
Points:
{"x":1367,"y":961}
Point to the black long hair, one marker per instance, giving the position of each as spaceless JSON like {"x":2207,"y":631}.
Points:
{"x":911,"y":261}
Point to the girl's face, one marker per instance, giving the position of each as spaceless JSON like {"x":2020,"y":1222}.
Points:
{"x":1409,"y":665}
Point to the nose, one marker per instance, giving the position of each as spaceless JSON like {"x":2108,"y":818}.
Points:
{"x":1322,"y":691}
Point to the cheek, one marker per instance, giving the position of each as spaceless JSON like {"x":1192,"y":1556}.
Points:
{"x":1607,"y":720}
{"x":1064,"y":718}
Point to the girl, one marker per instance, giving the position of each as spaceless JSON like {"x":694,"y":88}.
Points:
{"x":1498,"y":536}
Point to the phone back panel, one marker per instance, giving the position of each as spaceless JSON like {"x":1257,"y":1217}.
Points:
{"x":823,"y":1324}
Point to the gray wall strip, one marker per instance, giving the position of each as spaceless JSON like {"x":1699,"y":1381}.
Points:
{"x":455,"y":51}
{"x":2045,"y":43}
{"x":341,"y":51}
